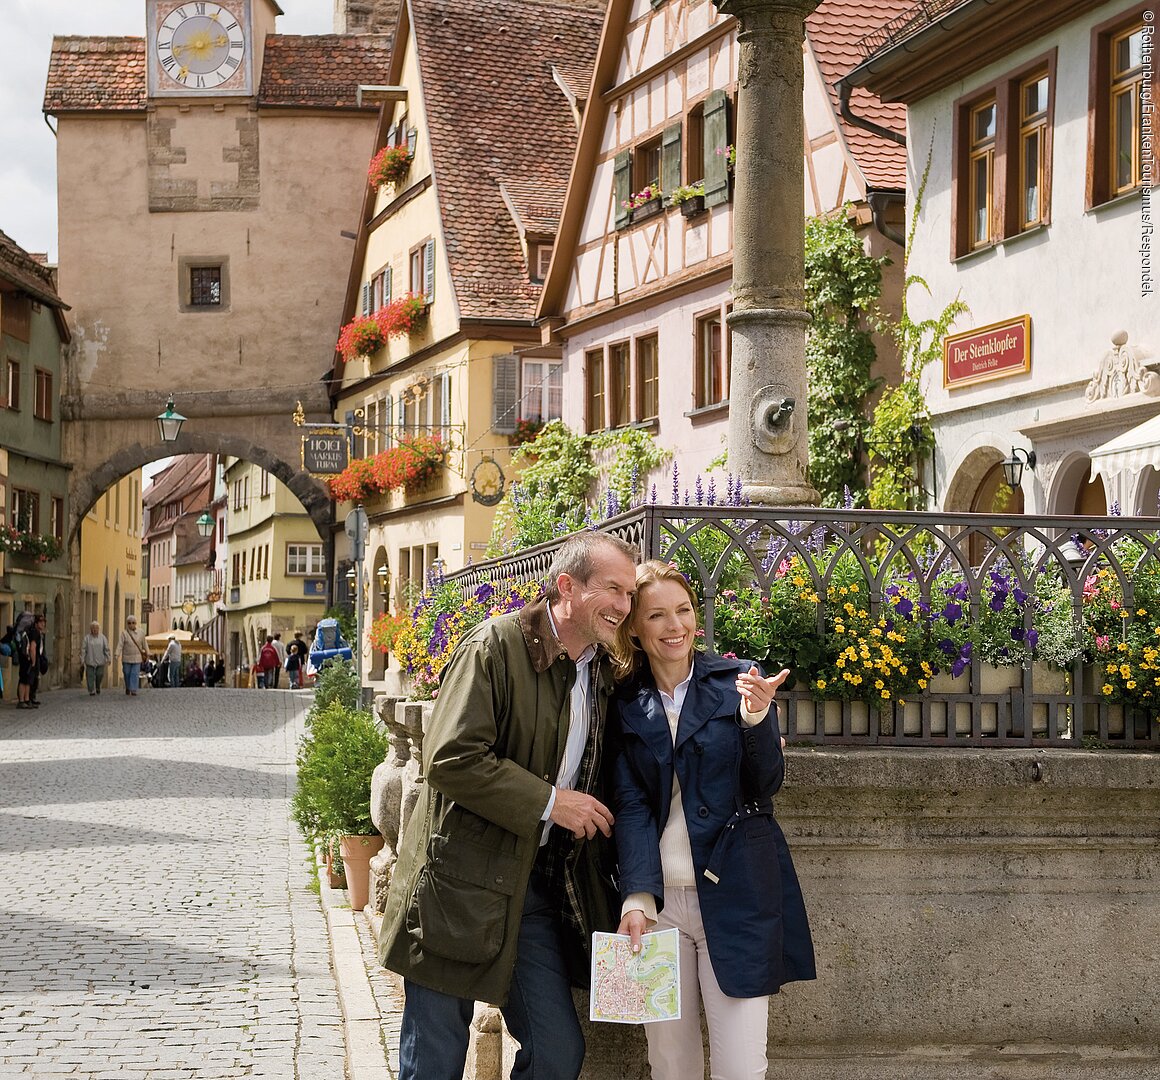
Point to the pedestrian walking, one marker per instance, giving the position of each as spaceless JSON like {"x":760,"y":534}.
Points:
{"x":96,"y":656}
{"x":697,"y":762}
{"x":498,"y":883}
{"x":269,"y":663}
{"x":294,"y":663}
{"x":280,"y":649}
{"x":172,"y":661}
{"x":30,"y":659}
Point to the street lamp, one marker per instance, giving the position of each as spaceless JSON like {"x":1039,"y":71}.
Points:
{"x":1013,"y":467}
{"x":169,"y":422}
{"x":205,"y":525}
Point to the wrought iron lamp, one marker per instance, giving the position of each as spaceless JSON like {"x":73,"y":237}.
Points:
{"x":169,"y":422}
{"x":1013,"y":466}
{"x":205,"y":524}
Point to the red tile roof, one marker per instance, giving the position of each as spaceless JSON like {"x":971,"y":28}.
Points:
{"x":105,"y":73}
{"x":322,"y":70}
{"x":495,"y":115}
{"x":319,"y":71}
{"x":834,"y":31}
{"x":27,"y":273}
{"x":538,"y":203}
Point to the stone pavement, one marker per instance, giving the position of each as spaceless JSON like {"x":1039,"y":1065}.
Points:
{"x":158,"y":914}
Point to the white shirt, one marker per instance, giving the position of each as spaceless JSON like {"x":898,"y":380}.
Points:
{"x":578,"y":716}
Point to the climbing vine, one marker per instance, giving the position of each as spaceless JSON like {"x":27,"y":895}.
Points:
{"x":843,"y":285}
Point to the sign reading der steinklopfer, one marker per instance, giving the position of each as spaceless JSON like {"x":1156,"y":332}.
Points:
{"x":990,"y":352}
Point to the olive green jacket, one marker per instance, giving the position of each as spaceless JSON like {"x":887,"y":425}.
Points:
{"x":490,"y":756}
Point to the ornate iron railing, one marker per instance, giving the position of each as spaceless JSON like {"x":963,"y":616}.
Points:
{"x":930,"y":563}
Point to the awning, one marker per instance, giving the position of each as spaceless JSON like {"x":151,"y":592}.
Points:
{"x":1129,"y":452}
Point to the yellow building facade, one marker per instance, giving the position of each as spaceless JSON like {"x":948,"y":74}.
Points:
{"x":109,"y":587}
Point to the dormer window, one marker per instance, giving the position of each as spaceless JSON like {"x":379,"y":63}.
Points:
{"x":541,"y":260}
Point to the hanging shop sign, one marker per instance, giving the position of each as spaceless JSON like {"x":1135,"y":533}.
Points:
{"x":990,"y":352}
{"x":325,"y":453}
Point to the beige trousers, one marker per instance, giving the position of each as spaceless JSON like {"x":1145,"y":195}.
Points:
{"x":737,"y":1026}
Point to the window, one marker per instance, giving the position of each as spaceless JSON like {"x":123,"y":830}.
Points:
{"x":594,"y":389}
{"x":982,"y":171}
{"x":543,"y":390}
{"x":205,"y":286}
{"x":13,"y":384}
{"x":1120,"y":155}
{"x":415,"y":563}
{"x":1032,"y":139}
{"x":646,"y":164}
{"x":380,"y":291}
{"x":1002,"y":163}
{"x":304,"y":559}
{"x":710,"y":386}
{"x":57,"y":517}
{"x":264,"y":484}
{"x":25,"y":510}
{"x":619,"y":385}
{"x":695,"y":144}
{"x":647,"y":398}
{"x":42,"y":404}
{"x":543,"y":259}
{"x":422,"y":269}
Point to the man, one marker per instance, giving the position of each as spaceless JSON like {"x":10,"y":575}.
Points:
{"x":172,"y":657}
{"x":268,"y":662}
{"x":96,"y":657}
{"x":497,"y":887}
{"x":280,"y":649}
{"x":28,"y":680}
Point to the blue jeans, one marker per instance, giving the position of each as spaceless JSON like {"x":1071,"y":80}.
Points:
{"x":174,"y":672}
{"x":132,"y":673}
{"x":539,"y":1013}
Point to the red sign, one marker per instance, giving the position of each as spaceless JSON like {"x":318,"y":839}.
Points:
{"x":991,"y":352}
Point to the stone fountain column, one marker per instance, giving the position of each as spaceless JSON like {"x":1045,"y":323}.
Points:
{"x":768,"y":444}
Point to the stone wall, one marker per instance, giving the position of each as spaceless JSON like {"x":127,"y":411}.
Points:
{"x":976,"y":913}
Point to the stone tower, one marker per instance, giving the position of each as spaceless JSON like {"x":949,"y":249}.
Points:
{"x":365,"y":16}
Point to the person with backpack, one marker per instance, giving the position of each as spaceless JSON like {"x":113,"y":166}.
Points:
{"x":294,"y":666}
{"x":269,"y":663}
{"x":30,"y":651}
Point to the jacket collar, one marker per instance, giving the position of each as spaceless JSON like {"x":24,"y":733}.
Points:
{"x":701,"y":702}
{"x":543,"y":645}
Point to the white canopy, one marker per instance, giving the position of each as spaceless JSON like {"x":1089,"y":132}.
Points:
{"x":1130,"y":452}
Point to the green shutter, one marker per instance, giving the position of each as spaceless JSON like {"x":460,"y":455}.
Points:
{"x":505,"y":393}
{"x":622,"y":187}
{"x":429,"y":270}
{"x":671,"y":159}
{"x":366,"y":298}
{"x":387,"y":285}
{"x":716,"y":137}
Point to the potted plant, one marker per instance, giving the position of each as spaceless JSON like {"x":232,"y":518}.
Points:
{"x":405,"y":315}
{"x":390,"y":165}
{"x":646,"y":202}
{"x":362,"y":336}
{"x":336,"y":758}
{"x":689,"y":198}
{"x":526,"y":431}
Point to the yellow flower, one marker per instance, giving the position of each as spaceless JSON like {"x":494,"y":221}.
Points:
{"x":799,"y":581}
{"x":878,"y":684}
{"x":843,"y":590}
{"x":821,"y":684}
{"x":886,"y":695}
{"x":841,"y":661}
{"x":1131,"y":684}
{"x":922,"y":684}
{"x":1141,"y":612}
{"x":1107,"y":690}
{"x":853,"y":588}
{"x":901,"y":669}
{"x":848,"y":608}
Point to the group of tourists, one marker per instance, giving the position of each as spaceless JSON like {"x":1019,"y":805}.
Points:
{"x":583,"y":741}
{"x":25,"y":641}
{"x":275,"y":656}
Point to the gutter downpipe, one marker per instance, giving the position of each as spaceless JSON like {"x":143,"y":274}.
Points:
{"x":878,"y":201}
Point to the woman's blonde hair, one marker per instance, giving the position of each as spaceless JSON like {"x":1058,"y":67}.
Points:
{"x":627,"y":653}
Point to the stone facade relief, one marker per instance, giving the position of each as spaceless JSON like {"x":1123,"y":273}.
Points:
{"x":1121,"y":371}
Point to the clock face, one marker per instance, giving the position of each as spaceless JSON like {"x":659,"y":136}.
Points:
{"x":200,"y":46}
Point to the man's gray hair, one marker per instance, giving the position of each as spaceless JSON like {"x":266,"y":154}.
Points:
{"x":576,"y":557}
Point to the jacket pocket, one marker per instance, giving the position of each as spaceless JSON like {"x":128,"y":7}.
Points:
{"x":460,"y":906}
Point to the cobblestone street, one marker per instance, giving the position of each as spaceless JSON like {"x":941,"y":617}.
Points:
{"x":156,"y":912}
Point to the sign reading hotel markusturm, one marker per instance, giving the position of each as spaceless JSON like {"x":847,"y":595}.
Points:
{"x":990,"y":352}
{"x":325,"y":453}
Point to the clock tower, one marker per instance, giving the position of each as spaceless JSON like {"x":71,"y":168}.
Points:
{"x":197,"y":49}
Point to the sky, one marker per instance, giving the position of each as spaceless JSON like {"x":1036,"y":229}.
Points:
{"x":27,"y":146}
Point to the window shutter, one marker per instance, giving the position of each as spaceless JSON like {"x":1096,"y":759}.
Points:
{"x":387,"y":286}
{"x":402,"y":421}
{"x":671,"y":158}
{"x":392,"y":132}
{"x":505,"y":392}
{"x":429,"y":269}
{"x":716,"y":137}
{"x":412,"y":140}
{"x":622,"y":186}
{"x":366,"y":298}
{"x":445,"y":399}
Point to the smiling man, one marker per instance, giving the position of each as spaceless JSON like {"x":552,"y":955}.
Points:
{"x":500,"y":881}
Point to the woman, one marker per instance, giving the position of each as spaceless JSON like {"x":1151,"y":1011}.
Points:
{"x":131,"y":650}
{"x":96,"y":658}
{"x":294,"y":665}
{"x":697,"y":762}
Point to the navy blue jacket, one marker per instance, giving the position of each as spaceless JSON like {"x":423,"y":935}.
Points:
{"x":751,"y":904}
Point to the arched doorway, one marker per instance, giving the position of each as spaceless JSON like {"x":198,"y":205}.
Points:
{"x":993,"y":495}
{"x":380,"y":588}
{"x":1075,"y":493}
{"x":1147,"y":500}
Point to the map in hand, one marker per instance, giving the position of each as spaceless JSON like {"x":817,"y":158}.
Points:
{"x":635,"y":989}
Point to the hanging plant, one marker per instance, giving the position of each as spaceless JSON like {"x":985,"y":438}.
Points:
{"x":414,"y":462}
{"x":403,"y":316}
{"x":25,"y":542}
{"x":390,"y":165}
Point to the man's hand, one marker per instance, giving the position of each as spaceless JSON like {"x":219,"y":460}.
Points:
{"x":633,"y":924}
{"x":581,"y":814}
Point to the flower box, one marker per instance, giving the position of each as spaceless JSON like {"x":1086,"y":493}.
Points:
{"x":390,"y":166}
{"x":693,"y":207}
{"x":648,"y":208}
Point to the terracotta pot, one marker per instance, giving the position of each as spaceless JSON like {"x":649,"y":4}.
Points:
{"x":356,"y":852}
{"x":334,"y":879}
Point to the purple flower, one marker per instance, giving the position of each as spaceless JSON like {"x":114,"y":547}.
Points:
{"x":904,"y":607}
{"x":676,"y":485}
{"x":484,"y":592}
{"x":699,"y":491}
{"x":712,"y":499}
{"x":958,"y":591}
{"x":1032,"y":638}
{"x":947,"y":646}
{"x":1017,"y":633}
{"x":653,"y":496}
{"x":923,"y":608}
{"x":959,"y":666}
{"x":998,"y":601}
{"x":1020,"y":596}
{"x":952,"y":613}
